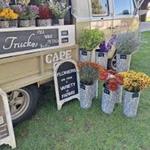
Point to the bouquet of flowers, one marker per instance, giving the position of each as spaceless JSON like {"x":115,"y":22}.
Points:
{"x":135,"y":81}
{"x":106,"y":46}
{"x":111,"y":78}
{"x":89,"y":72}
{"x":8,"y":14}
{"x":26,"y":12}
{"x":59,"y":9}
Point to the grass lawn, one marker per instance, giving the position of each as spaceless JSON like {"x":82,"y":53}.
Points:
{"x":75,"y":129}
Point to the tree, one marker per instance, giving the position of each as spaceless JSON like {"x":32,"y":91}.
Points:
{"x":144,"y":7}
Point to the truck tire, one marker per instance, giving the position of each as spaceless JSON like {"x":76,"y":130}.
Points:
{"x":23,"y":103}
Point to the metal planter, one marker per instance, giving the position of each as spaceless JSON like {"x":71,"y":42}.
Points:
{"x":119,"y":94}
{"x":4,"y":24}
{"x":130,"y":103}
{"x":85,"y":55}
{"x":61,"y":21}
{"x":13,"y":23}
{"x":108,"y":101}
{"x":123,"y":62}
{"x":26,"y":23}
{"x":101,"y":58}
{"x":87,"y":93}
{"x":44,"y":22}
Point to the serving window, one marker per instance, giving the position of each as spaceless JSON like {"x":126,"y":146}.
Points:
{"x":100,"y":7}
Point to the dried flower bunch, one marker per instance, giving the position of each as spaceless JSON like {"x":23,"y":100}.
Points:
{"x":135,"y":81}
{"x":127,"y":43}
{"x":111,"y":78}
{"x":89,"y":72}
{"x":59,"y":9}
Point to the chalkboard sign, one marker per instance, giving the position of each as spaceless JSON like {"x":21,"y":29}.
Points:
{"x":6,"y":128}
{"x":66,"y":79}
{"x":25,"y":40}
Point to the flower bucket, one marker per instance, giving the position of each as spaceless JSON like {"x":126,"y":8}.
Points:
{"x":61,"y":21}
{"x":130,"y":103}
{"x":101,"y":58}
{"x":13,"y":23}
{"x":108,"y":101}
{"x":119,"y":94}
{"x":87,"y":93}
{"x":4,"y":24}
{"x":44,"y":22}
{"x":32,"y":23}
{"x":26,"y":23}
{"x":85,"y":55}
{"x":123,"y":62}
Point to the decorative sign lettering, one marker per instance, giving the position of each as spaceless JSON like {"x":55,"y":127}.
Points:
{"x":58,"y":56}
{"x":25,"y":40}
{"x":66,"y":79}
{"x":6,"y":128}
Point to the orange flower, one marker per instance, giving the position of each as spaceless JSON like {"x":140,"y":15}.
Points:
{"x":112,"y":84}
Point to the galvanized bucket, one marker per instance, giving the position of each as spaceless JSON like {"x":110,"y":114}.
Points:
{"x":101,"y":58}
{"x":130,"y":103}
{"x":85,"y":55}
{"x":44,"y":22}
{"x":26,"y":23}
{"x":108,"y":101}
{"x":13,"y":23}
{"x":123,"y":62}
{"x":87,"y":93}
{"x":4,"y":24}
{"x":119,"y":94}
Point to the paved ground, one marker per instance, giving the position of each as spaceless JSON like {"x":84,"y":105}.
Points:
{"x":145,"y":26}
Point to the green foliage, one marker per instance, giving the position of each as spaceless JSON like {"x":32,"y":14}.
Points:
{"x":127,"y":43}
{"x":89,"y":39}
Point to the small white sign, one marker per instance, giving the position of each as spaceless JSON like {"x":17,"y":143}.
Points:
{"x":66,"y":78}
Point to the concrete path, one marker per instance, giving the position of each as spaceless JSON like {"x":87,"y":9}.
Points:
{"x":145,"y":26}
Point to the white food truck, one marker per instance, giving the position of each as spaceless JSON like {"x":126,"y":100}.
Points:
{"x":27,"y":54}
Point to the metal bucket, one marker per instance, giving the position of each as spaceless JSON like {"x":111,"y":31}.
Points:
{"x":130,"y":103}
{"x":101,"y":58}
{"x":44,"y":22}
{"x":108,"y":101}
{"x":123,"y":62}
{"x":85,"y":55}
{"x":87,"y":93}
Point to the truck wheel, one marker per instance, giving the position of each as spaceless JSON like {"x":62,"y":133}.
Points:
{"x":112,"y":63}
{"x":23,"y":103}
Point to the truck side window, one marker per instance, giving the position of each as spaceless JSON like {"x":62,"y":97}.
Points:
{"x":124,"y":7}
{"x":99,"y":7}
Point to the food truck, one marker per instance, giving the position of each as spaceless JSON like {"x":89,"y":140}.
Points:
{"x":27,"y":54}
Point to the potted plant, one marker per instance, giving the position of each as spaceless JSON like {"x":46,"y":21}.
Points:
{"x":27,"y":13}
{"x":110,"y":96}
{"x":7,"y":16}
{"x":88,"y":41}
{"x":89,"y":73}
{"x":133,"y":83}
{"x":126,"y":44}
{"x":101,"y":56}
{"x":45,"y":14}
{"x":59,"y":9}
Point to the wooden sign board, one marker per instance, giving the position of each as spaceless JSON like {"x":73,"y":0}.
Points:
{"x":66,"y":78}
{"x":6,"y":128}
{"x":27,"y":40}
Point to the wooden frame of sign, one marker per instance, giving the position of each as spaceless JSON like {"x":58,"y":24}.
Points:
{"x":6,"y":127}
{"x":66,"y":78}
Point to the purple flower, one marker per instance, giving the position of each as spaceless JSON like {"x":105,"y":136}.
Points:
{"x":34,"y":9}
{"x":106,"y":46}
